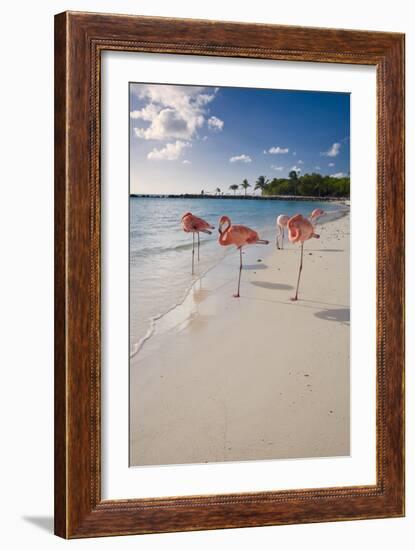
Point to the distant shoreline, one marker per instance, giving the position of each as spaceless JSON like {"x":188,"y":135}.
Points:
{"x":243,"y":197}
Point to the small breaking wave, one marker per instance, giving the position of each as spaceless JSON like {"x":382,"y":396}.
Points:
{"x":155,"y":250}
{"x":156,"y":318}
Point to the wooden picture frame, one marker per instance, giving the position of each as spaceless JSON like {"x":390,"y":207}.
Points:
{"x":79,"y":40}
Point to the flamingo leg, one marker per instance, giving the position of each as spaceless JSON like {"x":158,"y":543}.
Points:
{"x":237,"y":295}
{"x":198,"y":246}
{"x":193,"y":255}
{"x":299,"y":273}
{"x":282,"y":239}
{"x":277,"y":237}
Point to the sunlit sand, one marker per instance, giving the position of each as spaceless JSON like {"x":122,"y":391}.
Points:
{"x":257,"y":377}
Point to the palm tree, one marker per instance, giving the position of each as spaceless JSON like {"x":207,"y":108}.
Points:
{"x":245,"y":185}
{"x":261,"y":183}
{"x":218,"y":190}
{"x":234,"y":188}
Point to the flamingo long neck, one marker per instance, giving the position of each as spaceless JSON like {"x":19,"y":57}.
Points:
{"x":224,"y":232}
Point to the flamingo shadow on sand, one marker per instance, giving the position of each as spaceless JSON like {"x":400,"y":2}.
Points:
{"x":255,"y":267}
{"x":318,"y":303}
{"x":325,"y":250}
{"x":341,"y":315}
{"x":271,"y":286}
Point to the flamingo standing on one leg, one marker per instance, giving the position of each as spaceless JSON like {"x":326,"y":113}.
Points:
{"x":193,"y":224}
{"x":282,"y":221}
{"x":316,"y":213}
{"x":300,"y":229}
{"x":238,"y":235}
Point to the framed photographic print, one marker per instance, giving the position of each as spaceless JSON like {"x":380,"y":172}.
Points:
{"x":229,"y":333}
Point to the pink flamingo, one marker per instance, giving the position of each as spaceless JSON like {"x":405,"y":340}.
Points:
{"x":282,"y":221}
{"x":317,"y":213}
{"x":193,"y":224}
{"x":238,"y":235}
{"x":300,"y":229}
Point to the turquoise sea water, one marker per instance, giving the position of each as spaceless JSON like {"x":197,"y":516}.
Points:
{"x":161,"y":252}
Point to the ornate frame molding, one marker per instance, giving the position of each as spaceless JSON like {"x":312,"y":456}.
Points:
{"x":79,"y":40}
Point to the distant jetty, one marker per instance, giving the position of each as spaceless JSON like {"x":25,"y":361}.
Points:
{"x":242,"y":197}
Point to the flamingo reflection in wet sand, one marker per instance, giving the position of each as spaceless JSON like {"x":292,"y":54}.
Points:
{"x":300,"y":229}
{"x":193,"y":224}
{"x":282,"y":221}
{"x":239,"y":236}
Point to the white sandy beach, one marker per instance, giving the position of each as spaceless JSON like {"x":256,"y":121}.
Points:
{"x":258,"y":377}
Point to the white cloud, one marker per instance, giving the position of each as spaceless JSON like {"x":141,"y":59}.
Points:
{"x":185,"y":161}
{"x":278,"y":168}
{"x":215,"y":124}
{"x":173,"y":112}
{"x":317,"y":168}
{"x":339,"y":175}
{"x":241,"y":158}
{"x":169,"y":123}
{"x":278,"y":150}
{"x":295,"y":169}
{"x":333,"y":151}
{"x":146,"y":113}
{"x":172,"y":151}
{"x":294,"y":153}
{"x":300,"y":162}
{"x":331,"y":164}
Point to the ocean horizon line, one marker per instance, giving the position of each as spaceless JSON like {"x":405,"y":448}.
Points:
{"x":239,"y":197}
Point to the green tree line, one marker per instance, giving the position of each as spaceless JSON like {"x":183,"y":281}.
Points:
{"x":310,"y":185}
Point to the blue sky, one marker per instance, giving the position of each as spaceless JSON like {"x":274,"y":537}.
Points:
{"x":187,"y":138}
